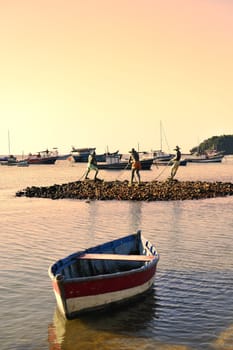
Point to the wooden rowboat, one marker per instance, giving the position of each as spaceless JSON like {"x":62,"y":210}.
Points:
{"x":100,"y":276}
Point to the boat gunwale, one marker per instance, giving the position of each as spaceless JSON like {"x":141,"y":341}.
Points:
{"x":72,"y":258}
{"x":146,"y":265}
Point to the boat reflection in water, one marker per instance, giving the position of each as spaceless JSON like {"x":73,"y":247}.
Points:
{"x":126,"y":327}
{"x":123,"y":327}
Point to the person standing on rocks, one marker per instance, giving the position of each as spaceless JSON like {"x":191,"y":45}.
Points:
{"x":135,"y":165}
{"x":92,"y":165}
{"x":176,"y":162}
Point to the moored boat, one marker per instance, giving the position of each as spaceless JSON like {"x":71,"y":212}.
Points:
{"x":3,"y":158}
{"x":160,"y":156}
{"x":10,"y":161}
{"x":43,"y":157}
{"x":208,"y":157}
{"x":114,"y":162}
{"x":109,"y":273}
{"x":80,"y":155}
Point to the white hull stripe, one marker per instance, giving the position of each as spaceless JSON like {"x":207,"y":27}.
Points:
{"x":94,"y":301}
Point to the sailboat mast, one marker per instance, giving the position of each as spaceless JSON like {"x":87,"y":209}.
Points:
{"x":161,"y":137}
{"x":9,"y":143}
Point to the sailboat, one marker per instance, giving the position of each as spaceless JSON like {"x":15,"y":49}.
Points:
{"x":161,"y":157}
{"x":11,"y":160}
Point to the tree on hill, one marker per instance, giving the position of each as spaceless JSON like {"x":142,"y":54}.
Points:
{"x":222,"y":143}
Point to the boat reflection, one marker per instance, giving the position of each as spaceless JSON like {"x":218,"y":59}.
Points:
{"x":106,"y":330}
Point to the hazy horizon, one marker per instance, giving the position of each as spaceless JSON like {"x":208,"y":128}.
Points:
{"x":105,"y":73}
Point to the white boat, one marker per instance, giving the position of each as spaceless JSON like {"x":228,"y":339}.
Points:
{"x":208,"y":157}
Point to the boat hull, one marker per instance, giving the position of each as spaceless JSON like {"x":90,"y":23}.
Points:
{"x":121,"y":165}
{"x":4,"y":159}
{"x":205,"y":160}
{"x":93,"y":295}
{"x":10,"y":161}
{"x":48,"y":160}
{"x":80,"y":157}
{"x":78,"y":295}
{"x":84,"y":159}
{"x":63,"y":156}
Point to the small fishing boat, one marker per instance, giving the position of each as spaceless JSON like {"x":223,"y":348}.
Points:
{"x":107,"y":274}
{"x":43,"y":157}
{"x":80,"y":155}
{"x":160,"y":156}
{"x":114,"y":162}
{"x":4,"y":158}
{"x":207,"y":157}
{"x":10,"y":161}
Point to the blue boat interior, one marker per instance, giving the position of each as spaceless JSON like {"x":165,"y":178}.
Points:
{"x":72,"y":267}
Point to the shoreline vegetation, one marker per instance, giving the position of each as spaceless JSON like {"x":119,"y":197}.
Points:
{"x":121,"y":190}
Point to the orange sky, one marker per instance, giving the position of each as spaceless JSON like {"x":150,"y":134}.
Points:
{"x":104,"y":73}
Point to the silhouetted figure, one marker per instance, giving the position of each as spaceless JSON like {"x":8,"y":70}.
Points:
{"x":176,"y":162}
{"x":92,"y":165}
{"x":135,"y":165}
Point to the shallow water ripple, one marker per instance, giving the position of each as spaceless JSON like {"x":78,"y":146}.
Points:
{"x":190,"y":306}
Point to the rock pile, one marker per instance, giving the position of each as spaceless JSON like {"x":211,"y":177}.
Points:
{"x":117,"y":190}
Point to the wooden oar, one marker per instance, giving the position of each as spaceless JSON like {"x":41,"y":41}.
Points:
{"x":117,"y":257}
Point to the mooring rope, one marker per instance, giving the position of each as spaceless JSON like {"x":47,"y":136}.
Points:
{"x":170,"y":161}
{"x":118,"y":177}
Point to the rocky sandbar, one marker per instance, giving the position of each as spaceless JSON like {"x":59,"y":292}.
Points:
{"x":121,"y":190}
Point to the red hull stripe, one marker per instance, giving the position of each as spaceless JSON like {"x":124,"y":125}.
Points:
{"x":107,"y":285}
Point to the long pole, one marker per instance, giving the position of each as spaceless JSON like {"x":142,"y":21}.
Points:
{"x":9,"y":144}
{"x":161,"y":137}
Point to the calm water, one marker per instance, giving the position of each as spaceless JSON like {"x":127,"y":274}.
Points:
{"x":191,"y":303}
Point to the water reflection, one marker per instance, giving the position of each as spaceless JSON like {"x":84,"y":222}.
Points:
{"x":114,"y":329}
{"x":135,"y":215}
{"x":125,"y":328}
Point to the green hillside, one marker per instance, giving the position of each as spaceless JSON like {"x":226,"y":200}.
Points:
{"x":222,"y":143}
